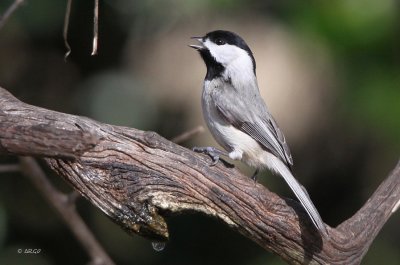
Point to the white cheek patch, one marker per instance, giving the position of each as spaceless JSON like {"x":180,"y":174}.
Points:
{"x":223,"y":54}
{"x":235,"y":59}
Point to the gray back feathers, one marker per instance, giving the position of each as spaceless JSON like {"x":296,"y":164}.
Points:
{"x":248,"y":113}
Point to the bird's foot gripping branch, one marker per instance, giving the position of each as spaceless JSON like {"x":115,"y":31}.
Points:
{"x":136,"y":177}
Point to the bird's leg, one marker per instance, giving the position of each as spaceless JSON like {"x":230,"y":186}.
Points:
{"x":213,"y":152}
{"x":254,"y":177}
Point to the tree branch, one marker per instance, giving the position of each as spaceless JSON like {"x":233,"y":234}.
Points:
{"x":65,"y":29}
{"x":95,"y":27}
{"x":45,"y":136}
{"x":137,"y":177}
{"x":9,"y":168}
{"x":10,"y":10}
{"x":187,"y":135}
{"x":65,"y":207}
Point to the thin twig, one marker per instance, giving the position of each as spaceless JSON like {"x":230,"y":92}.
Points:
{"x":66,"y":209}
{"x":11,"y":9}
{"x":73,"y":196}
{"x":187,"y":135}
{"x":9,"y":168}
{"x":65,"y":31}
{"x":95,"y":27}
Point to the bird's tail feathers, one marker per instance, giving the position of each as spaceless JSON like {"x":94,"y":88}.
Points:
{"x":301,"y":194}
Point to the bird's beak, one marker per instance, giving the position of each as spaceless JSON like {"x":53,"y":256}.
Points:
{"x":198,"y":47}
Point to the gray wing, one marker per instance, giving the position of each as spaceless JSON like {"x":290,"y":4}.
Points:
{"x":254,"y":119}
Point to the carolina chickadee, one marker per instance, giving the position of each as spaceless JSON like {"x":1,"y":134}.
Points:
{"x":238,"y":117}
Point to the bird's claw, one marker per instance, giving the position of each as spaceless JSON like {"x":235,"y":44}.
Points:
{"x":213,"y":152}
{"x":215,"y":159}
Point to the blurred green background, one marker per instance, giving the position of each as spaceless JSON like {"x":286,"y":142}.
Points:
{"x":330,"y":74}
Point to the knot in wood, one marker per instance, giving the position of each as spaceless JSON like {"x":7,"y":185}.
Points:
{"x":152,"y":139}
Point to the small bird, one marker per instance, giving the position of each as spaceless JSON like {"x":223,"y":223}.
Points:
{"x":238,"y":117}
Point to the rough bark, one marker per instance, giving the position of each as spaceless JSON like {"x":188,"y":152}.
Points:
{"x":137,"y":178}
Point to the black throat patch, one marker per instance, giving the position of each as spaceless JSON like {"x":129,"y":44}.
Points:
{"x":214,"y":69}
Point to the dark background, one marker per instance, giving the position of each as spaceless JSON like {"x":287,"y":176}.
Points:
{"x":330,"y":74}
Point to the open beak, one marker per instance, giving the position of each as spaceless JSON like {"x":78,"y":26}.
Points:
{"x":198,"y":47}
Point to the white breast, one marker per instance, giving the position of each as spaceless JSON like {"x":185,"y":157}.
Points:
{"x":239,"y":144}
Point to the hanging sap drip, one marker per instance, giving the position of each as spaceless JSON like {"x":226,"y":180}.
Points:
{"x":158,"y":246}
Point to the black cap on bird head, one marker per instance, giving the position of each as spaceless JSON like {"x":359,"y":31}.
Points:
{"x":220,"y":37}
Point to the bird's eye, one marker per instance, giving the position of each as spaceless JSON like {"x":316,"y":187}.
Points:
{"x":220,"y":41}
